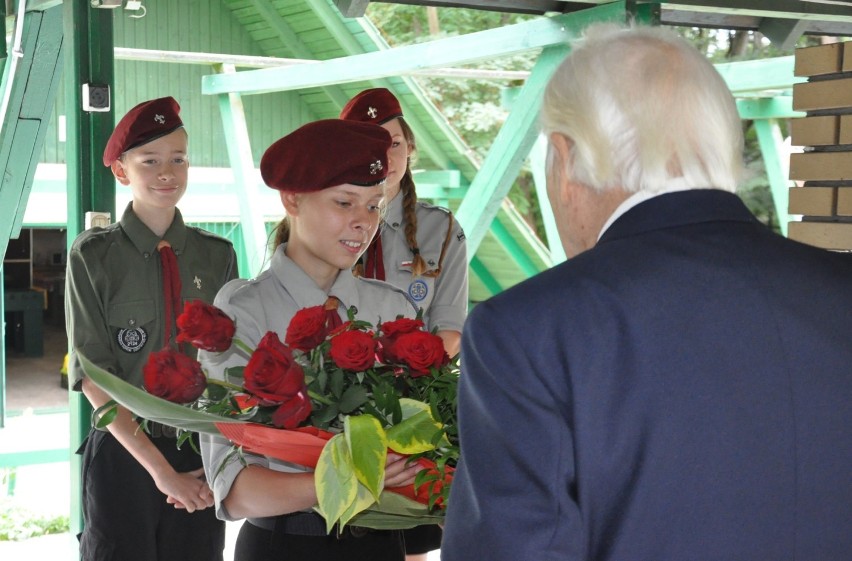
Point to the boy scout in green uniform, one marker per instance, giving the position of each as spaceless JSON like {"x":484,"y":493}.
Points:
{"x":143,"y":499}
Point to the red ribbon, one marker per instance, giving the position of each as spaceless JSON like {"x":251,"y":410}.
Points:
{"x":171,"y":288}
{"x":374,"y":266}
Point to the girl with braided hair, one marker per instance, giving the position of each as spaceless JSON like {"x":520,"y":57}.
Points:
{"x":420,"y":248}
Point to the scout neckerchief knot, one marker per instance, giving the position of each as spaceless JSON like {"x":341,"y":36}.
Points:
{"x":171,"y":288}
{"x":332,"y":318}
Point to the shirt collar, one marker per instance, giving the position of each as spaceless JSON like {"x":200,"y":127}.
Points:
{"x":145,"y":240}
{"x":308,"y":293}
{"x":393,"y":214}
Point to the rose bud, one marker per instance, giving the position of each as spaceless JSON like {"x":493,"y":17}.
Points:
{"x":353,"y":350}
{"x":391,"y":329}
{"x":205,"y":327}
{"x":173,"y":376}
{"x":292,"y":412}
{"x":271,"y":373}
{"x":307,"y":329}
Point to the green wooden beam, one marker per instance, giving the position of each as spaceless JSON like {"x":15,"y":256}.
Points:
{"x":352,"y":8}
{"x":450,"y":178}
{"x":507,"y":153}
{"x":829,"y":10}
{"x":488,"y":280}
{"x":769,"y":138}
{"x":759,"y":75}
{"x":503,"y":41}
{"x":778,"y":107}
{"x":242,"y":164}
{"x":90,"y":185}
{"x":514,"y":249}
{"x":34,"y":457}
{"x":538,"y":156}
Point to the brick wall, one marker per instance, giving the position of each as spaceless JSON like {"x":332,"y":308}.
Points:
{"x":825,"y":166}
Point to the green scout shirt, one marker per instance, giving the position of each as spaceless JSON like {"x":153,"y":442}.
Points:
{"x":442,"y":298}
{"x":114,"y":290}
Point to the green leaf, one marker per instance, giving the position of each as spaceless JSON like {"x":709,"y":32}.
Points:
{"x":336,"y":485}
{"x":353,"y":398}
{"x":396,"y":512}
{"x":368,"y":447}
{"x":415,"y":434}
{"x":336,"y":382}
{"x":150,"y":407}
{"x":105,"y":414}
{"x":363,"y":500}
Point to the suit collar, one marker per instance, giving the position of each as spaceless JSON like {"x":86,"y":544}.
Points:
{"x":680,"y":208}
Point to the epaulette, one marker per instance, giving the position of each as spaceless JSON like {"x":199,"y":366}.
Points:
{"x":211,"y":235}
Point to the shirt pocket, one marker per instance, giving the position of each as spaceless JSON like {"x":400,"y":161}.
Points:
{"x":132,"y":324}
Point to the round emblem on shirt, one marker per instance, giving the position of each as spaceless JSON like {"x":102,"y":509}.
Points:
{"x":132,"y":340}
{"x":418,"y":290}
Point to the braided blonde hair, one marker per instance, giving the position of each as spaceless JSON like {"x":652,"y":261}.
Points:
{"x":409,"y":203}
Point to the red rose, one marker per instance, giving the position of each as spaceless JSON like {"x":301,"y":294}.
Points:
{"x":173,"y":376}
{"x":307,"y":329}
{"x":292,"y":412}
{"x":271,"y":373}
{"x":205,"y":327}
{"x":353,"y":350}
{"x":391,"y":329}
{"x":420,"y":350}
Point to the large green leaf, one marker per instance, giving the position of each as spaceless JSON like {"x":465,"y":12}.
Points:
{"x":150,"y":407}
{"x":418,"y":430}
{"x":336,"y":485}
{"x":369,"y":449}
{"x":396,"y":512}
{"x":363,"y":500}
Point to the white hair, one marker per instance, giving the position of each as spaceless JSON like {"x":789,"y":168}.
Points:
{"x":645,"y":112}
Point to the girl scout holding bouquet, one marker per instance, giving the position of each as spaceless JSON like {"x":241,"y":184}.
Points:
{"x":330,"y":175}
{"x":420,"y":249}
{"x":143,"y":498}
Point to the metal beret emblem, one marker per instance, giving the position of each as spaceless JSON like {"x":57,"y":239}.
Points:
{"x":376,"y":167}
{"x":160,"y":119}
{"x":132,"y":340}
{"x":372,"y":112}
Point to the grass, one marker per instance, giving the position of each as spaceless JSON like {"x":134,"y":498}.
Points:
{"x":18,"y":523}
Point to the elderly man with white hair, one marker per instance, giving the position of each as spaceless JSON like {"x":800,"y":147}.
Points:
{"x":679,"y":389}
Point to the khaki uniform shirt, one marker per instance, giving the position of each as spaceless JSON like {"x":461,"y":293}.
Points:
{"x":268,"y":303}
{"x":114,"y":290}
{"x":443,"y":299}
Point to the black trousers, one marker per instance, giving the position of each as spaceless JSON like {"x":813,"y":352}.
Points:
{"x":257,"y":544}
{"x":423,"y":539}
{"x":127,"y":517}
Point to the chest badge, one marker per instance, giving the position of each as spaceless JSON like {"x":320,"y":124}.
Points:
{"x":197,"y":282}
{"x":132,"y":340}
{"x":418,"y":290}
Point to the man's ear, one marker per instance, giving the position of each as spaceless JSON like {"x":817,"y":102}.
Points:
{"x":119,"y":172}
{"x":561,"y":168}
{"x":290,"y":200}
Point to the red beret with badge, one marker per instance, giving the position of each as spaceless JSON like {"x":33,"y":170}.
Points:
{"x":147,"y":121}
{"x":376,"y":105}
{"x":325,"y":154}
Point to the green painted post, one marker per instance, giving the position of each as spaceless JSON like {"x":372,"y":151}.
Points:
{"x":771,"y":146}
{"x":91,"y":186}
{"x":481,"y":271}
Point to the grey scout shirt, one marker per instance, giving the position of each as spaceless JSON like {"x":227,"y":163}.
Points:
{"x":268,"y":303}
{"x":114,"y":290}
{"x":443,"y":299}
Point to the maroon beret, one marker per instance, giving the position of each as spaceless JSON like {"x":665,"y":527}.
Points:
{"x":325,"y":154}
{"x":376,"y":106}
{"x":146,"y":122}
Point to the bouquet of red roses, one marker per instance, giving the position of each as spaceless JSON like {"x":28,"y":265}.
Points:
{"x":331,"y":398}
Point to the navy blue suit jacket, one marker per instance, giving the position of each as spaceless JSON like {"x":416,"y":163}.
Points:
{"x":679,"y":392}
